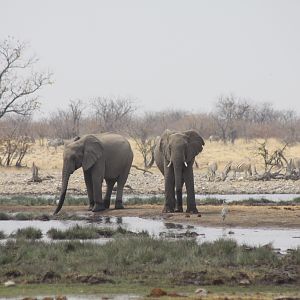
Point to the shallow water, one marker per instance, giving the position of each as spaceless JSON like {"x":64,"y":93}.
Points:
{"x":282,"y":239}
{"x":228,"y":198}
{"x":240,"y":197}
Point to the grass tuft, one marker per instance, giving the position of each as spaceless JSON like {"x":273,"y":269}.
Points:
{"x":149,"y":200}
{"x":24,"y":216}
{"x":89,"y":232}
{"x":80,"y":232}
{"x":2,"y":235}
{"x":30,"y":233}
{"x":4,"y":216}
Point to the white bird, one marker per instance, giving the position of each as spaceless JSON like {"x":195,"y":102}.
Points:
{"x":224,"y":210}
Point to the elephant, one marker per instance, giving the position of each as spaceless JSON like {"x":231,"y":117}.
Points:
{"x":105,"y":156}
{"x":174,"y":155}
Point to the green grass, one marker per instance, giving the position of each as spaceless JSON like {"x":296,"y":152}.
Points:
{"x":250,"y":201}
{"x":296,"y":200}
{"x":86,"y":232}
{"x":30,"y":233}
{"x":145,"y":259}
{"x":153,"y":200}
{"x":4,"y":216}
{"x":143,"y":289}
{"x":80,"y":232}
{"x":24,"y":216}
{"x":211,"y":201}
{"x":137,"y":200}
{"x":39,"y":201}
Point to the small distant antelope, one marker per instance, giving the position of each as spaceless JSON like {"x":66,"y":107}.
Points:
{"x":224,"y":211}
{"x":240,"y":166}
{"x":214,"y":138}
{"x":293,"y":166}
{"x":212,"y":167}
{"x":54,"y":143}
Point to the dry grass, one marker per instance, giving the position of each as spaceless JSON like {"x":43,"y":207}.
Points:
{"x":49,"y":159}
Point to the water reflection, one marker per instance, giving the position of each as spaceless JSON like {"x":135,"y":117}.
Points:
{"x":280,"y":238}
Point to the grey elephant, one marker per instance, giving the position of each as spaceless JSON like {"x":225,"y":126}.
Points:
{"x":105,"y":156}
{"x":174,"y":155}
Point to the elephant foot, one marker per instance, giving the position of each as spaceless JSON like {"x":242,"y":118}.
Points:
{"x":167,"y":209}
{"x":192,"y":210}
{"x":119,"y":205}
{"x":98,"y":207}
{"x":179,"y":209}
{"x":106,"y":204}
{"x":91,"y":206}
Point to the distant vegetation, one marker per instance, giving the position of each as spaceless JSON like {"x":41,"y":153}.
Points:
{"x":231,"y":118}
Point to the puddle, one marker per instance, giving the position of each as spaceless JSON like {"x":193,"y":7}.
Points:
{"x":282,"y":239}
{"x":240,"y":197}
{"x":228,"y":197}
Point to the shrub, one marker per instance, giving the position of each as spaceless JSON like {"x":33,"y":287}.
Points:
{"x":4,"y":216}
{"x":28,"y":233}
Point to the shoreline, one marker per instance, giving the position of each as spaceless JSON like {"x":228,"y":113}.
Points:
{"x":239,"y":216}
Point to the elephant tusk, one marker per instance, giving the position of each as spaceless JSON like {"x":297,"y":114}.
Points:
{"x":169,"y":164}
{"x":185,"y":163}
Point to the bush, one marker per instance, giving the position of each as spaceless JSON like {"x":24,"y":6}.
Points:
{"x":28,"y":233}
{"x":4,"y":216}
{"x":79,"y":232}
{"x":24,"y":216}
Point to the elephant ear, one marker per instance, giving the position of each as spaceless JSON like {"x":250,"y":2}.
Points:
{"x":92,"y":151}
{"x":195,"y":144}
{"x":164,"y":144}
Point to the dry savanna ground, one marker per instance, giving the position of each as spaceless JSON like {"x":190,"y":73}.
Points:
{"x":15,"y":181}
{"x":48,"y":159}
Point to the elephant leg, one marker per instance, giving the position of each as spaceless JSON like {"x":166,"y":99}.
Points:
{"x":188,"y":176}
{"x":89,"y":187}
{"x":97,"y":192}
{"x":169,"y":190}
{"x":120,"y":188}
{"x":178,"y":204}
{"x":110,"y":184}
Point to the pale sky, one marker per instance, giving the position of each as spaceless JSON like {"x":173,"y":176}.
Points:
{"x":163,"y":53}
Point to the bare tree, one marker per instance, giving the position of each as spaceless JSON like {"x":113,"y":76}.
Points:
{"x":113,"y":114}
{"x":76,"y":108}
{"x":225,"y":115}
{"x":289,"y":120}
{"x":18,"y":88}
{"x":275,"y":159}
{"x":141,"y":131}
{"x":61,"y":124}
{"x":40,"y":130}
{"x":14,"y":141}
{"x":228,"y":113}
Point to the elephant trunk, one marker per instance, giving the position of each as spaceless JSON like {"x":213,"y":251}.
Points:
{"x":178,"y":182}
{"x":65,"y":180}
{"x":178,"y":177}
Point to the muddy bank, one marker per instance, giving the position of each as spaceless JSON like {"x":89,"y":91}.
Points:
{"x":210,"y":215}
{"x":16,"y":182}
